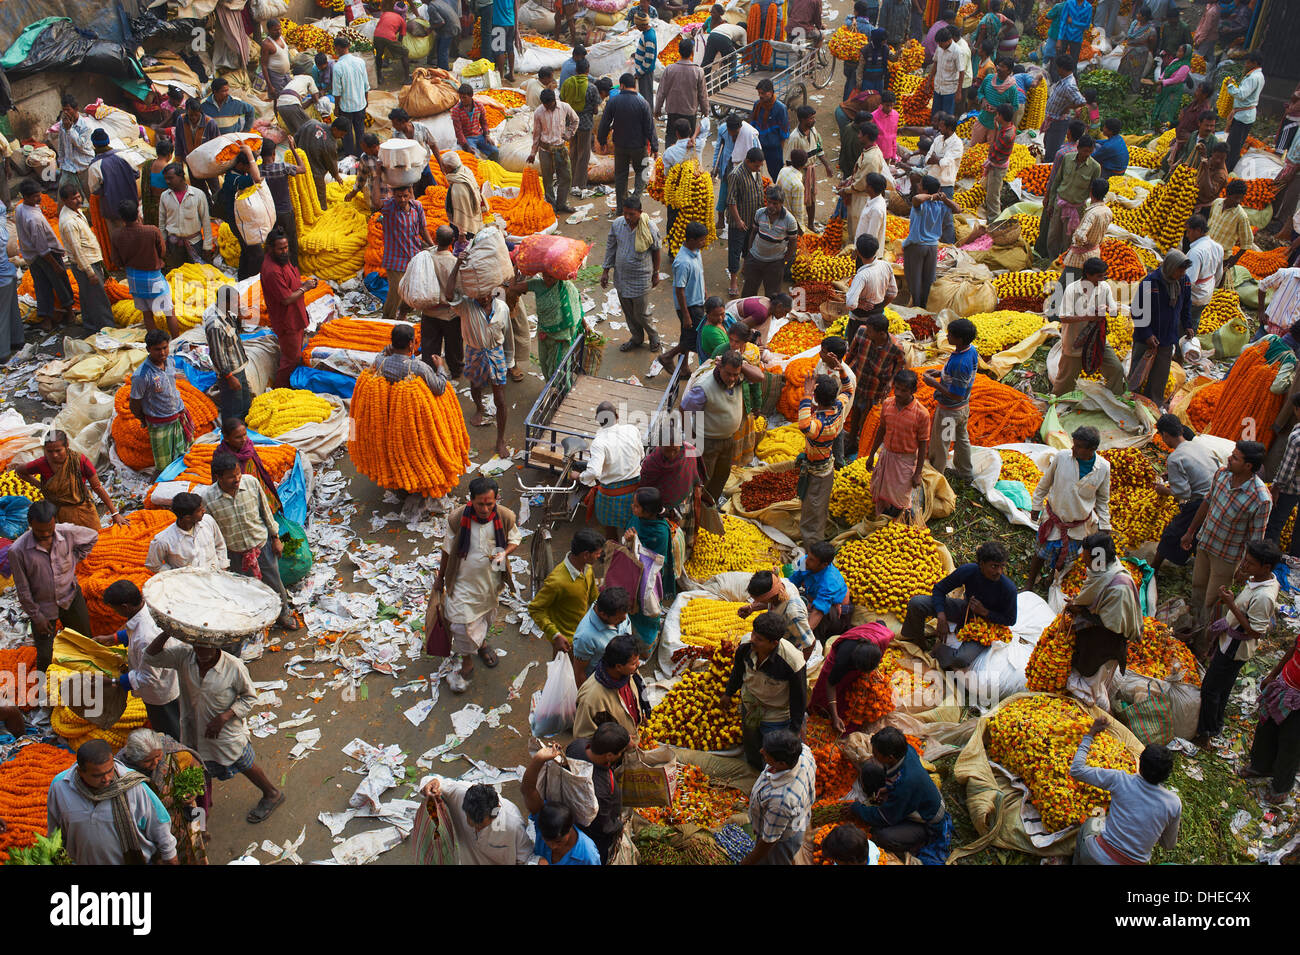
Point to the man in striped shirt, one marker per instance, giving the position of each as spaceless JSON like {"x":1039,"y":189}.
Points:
{"x":643,"y":61}
{"x":1278,"y":317}
{"x":822,"y":414}
{"x":405,"y":234}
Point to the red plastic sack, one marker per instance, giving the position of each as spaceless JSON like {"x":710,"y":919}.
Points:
{"x":555,"y":255}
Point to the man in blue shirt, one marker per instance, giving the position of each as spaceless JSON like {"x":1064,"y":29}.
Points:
{"x":1076,"y":18}
{"x":987,"y":592}
{"x":504,"y":37}
{"x":1112,"y":152}
{"x":824,"y":591}
{"x":688,"y":292}
{"x":570,"y":66}
{"x":921,"y":247}
{"x":952,"y":390}
{"x":606,"y":620}
{"x":559,"y":841}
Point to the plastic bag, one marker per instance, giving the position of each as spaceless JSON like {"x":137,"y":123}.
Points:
{"x":554,"y":255}
{"x":217,"y":155}
{"x":555,"y":704}
{"x":433,"y":837}
{"x":420,"y":287}
{"x":568,"y":782}
{"x":487,"y":263}
{"x":418,"y":46}
{"x":13,"y":515}
{"x":649,"y":777}
{"x":296,"y":560}
{"x":255,"y":213}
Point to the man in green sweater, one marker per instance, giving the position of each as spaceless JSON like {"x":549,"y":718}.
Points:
{"x":569,"y":591}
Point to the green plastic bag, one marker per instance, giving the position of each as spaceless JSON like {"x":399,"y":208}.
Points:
{"x":1230,"y":338}
{"x":296,"y":560}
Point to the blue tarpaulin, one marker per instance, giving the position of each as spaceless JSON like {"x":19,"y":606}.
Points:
{"x":323,"y":382}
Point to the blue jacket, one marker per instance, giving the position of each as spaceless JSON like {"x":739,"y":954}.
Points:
{"x":1154,"y":314}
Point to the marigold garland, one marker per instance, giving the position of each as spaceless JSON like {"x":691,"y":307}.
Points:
{"x":118,"y":555}
{"x":24,"y":788}
{"x":130,"y":439}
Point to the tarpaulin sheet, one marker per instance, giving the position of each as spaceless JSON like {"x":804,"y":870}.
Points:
{"x":56,"y":43}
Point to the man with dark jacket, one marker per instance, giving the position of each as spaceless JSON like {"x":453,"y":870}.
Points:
{"x":628,"y":115}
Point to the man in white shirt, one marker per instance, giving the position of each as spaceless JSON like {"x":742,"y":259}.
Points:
{"x":942,"y":161}
{"x":489,"y":830}
{"x":1206,"y":257}
{"x":873,"y":218}
{"x":946,"y":71}
{"x":183,"y":220}
{"x":193,"y":541}
{"x":1073,"y":498}
{"x":291,"y":105}
{"x":1278,"y":317}
{"x":614,"y":467}
{"x":1245,"y":102}
{"x":157,"y":687}
{"x":1082,"y":304}
{"x":874,"y":285}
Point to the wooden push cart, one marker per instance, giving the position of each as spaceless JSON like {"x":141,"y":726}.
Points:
{"x":732,"y":81}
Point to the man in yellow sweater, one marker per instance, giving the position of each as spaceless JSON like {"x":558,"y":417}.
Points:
{"x":569,"y":591}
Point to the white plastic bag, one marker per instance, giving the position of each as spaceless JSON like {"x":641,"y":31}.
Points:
{"x":419,"y":286}
{"x":85,"y":405}
{"x":569,"y":783}
{"x":255,"y":214}
{"x":555,"y":704}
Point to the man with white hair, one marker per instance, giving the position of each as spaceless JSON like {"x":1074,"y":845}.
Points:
{"x":465,"y":203}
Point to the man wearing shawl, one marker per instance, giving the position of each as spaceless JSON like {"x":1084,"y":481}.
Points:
{"x":613,"y":691}
{"x":1162,"y":316}
{"x":465,"y":202}
{"x":1106,"y":616}
{"x":106,"y":813}
{"x":475,"y":569}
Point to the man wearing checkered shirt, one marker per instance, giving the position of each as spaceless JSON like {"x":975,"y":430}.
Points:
{"x":1234,"y":512}
{"x":780,"y":804}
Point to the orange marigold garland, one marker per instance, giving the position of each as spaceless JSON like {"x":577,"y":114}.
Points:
{"x":836,"y":773}
{"x":869,"y":700}
{"x":405,"y":438}
{"x":24,"y":788}
{"x":118,"y":555}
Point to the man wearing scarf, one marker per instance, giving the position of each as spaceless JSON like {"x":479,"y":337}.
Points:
{"x":1162,"y":316}
{"x":613,"y":691}
{"x":780,"y":597}
{"x":106,"y":814}
{"x":772,"y":679}
{"x":1106,"y":616}
{"x":465,"y":202}
{"x":1075,"y":493}
{"x":247,"y":521}
{"x":157,"y":403}
{"x":475,"y":569}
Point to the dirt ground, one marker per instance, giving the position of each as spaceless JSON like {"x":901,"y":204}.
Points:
{"x":319,"y":783}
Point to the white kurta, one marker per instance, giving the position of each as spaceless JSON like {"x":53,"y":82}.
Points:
{"x":473,"y":594}
{"x":1073,"y":498}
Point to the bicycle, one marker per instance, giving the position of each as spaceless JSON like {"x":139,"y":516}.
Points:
{"x":560,"y":505}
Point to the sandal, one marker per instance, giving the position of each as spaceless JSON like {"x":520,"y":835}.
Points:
{"x":516,"y":375}
{"x":1250,"y":772}
{"x":263,"y":809}
{"x":488,"y":656}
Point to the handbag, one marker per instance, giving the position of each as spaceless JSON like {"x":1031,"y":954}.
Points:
{"x":623,"y":568}
{"x":432,"y":836}
{"x":651,"y":593}
{"x":1137,"y":375}
{"x":437,"y":639}
{"x":1092,"y":343}
{"x":648,"y":777}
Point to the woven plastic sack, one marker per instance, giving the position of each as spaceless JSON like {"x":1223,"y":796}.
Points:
{"x":555,"y":255}
{"x":218,"y":154}
{"x":487,"y":263}
{"x":255,"y":213}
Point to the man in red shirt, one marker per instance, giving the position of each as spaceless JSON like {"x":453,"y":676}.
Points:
{"x":283,"y":288}
{"x":388,"y":40}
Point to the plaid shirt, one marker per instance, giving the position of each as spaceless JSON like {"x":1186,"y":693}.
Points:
{"x":1063,"y":97}
{"x":1285,"y":479}
{"x":1235,"y":516}
{"x":244,"y":518}
{"x":780,"y":804}
{"x":402,"y":232}
{"x":1230,"y":227}
{"x":467,"y":123}
{"x":874,"y":367}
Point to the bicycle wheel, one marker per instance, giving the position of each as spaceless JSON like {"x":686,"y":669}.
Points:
{"x":823,"y":68}
{"x":541,"y":557}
